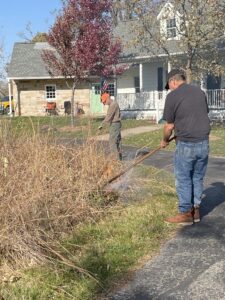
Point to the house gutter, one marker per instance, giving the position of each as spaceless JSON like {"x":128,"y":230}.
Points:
{"x":34,"y":78}
{"x":44,"y":77}
{"x":147,"y":58}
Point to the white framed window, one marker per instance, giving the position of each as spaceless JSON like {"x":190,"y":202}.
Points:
{"x":111,"y":89}
{"x":171,"y":30}
{"x":50,"y":92}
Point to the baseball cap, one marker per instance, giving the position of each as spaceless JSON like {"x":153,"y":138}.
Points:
{"x":173,"y":73}
{"x":104,"y":97}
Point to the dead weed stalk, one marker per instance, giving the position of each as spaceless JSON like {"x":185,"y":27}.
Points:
{"x":46,"y":190}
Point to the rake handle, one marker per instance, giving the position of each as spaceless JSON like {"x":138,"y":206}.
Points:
{"x":136,"y":162}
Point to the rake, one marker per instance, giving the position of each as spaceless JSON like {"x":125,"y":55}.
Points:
{"x":136,"y":162}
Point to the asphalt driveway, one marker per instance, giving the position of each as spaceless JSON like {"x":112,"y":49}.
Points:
{"x":192,"y":264}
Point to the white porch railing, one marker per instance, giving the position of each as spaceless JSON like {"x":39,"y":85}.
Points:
{"x":216,"y":99}
{"x":153,"y":102}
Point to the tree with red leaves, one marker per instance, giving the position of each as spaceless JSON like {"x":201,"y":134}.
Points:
{"x":82,"y":43}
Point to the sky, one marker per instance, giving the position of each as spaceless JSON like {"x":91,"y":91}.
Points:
{"x":15,"y":15}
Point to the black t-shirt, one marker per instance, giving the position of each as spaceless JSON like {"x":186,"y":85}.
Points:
{"x":187,"y":108}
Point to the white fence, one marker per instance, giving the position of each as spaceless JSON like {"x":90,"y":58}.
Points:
{"x":151,"y":104}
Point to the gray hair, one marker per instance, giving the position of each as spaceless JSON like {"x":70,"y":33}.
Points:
{"x":179,"y":77}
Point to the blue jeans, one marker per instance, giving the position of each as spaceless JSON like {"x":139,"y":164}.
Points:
{"x":190,"y":163}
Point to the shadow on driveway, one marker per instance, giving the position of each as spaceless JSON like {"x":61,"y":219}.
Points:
{"x":214,"y":196}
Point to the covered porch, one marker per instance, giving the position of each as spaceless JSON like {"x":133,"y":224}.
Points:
{"x":150,"y":105}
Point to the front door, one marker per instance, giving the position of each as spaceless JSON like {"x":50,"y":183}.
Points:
{"x":96,"y":105}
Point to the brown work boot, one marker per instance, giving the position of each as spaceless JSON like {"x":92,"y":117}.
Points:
{"x":196,"y":214}
{"x":181,"y":218}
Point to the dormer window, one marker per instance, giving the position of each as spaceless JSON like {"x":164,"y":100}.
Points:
{"x":171,"y":28}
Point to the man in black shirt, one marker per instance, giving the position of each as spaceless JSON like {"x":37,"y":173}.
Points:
{"x":186,"y":113}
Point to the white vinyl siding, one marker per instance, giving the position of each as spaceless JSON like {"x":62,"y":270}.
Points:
{"x":125,"y":83}
{"x":150,"y":80}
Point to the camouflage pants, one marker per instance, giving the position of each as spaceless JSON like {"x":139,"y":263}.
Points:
{"x":115,"y":144}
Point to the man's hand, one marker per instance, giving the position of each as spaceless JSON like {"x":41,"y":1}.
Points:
{"x":100,"y":127}
{"x":167,"y":132}
{"x":164,"y":144}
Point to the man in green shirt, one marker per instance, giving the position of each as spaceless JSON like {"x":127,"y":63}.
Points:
{"x":114,"y":119}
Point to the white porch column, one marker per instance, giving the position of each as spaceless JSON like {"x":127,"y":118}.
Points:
{"x":141,"y":76}
{"x":10,"y":98}
{"x":157,"y":108}
{"x":115,"y":88}
{"x":169,"y":66}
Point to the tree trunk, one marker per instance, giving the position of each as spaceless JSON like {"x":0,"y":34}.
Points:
{"x":189,"y":68}
{"x":72,"y":105}
{"x":189,"y":75}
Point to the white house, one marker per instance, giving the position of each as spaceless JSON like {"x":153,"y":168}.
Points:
{"x":140,"y":89}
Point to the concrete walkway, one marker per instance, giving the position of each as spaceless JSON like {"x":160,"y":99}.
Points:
{"x":192,"y":264}
{"x":131,"y":131}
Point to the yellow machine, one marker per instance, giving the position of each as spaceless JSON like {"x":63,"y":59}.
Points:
{"x":5,"y":105}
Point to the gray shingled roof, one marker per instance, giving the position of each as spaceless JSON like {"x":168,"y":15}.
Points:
{"x":126,"y":32}
{"x":26,"y":61}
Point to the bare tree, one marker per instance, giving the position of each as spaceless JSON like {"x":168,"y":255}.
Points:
{"x":123,"y":10}
{"x":3,"y":62}
{"x":28,"y":34}
{"x":3,"y":88}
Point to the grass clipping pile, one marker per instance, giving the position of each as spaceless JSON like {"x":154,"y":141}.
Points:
{"x":46,"y":190}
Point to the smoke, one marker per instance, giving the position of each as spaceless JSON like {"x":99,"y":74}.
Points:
{"x":125,"y":184}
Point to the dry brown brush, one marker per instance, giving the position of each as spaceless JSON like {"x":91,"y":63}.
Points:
{"x":46,"y":190}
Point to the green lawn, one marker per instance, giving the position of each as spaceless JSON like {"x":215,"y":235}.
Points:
{"x":85,"y":126}
{"x":108,"y":249}
{"x":152,"y":140}
{"x":149,"y":140}
{"x":217,"y":142}
{"x":60,"y":126}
